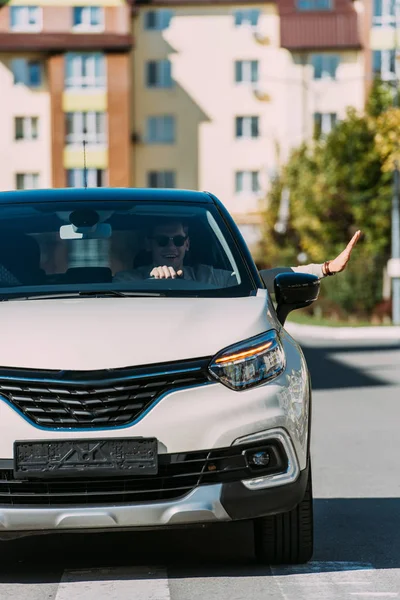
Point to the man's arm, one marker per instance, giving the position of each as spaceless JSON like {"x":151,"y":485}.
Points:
{"x":330,"y":267}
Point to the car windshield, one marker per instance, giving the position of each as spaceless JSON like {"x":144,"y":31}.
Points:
{"x":105,"y":248}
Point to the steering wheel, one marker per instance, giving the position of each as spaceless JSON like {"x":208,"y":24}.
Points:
{"x":185,"y":284}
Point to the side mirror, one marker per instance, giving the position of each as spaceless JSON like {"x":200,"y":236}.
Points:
{"x":294,"y":290}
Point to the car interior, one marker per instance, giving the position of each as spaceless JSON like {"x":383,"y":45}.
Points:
{"x":31,"y":258}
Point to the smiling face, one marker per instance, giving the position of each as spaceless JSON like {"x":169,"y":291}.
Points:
{"x":165,"y":250}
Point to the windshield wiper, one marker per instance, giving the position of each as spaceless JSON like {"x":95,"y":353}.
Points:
{"x":84,"y":294}
{"x":118,"y":293}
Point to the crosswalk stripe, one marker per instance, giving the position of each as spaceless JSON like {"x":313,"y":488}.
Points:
{"x":320,"y":580}
{"x":130,"y":583}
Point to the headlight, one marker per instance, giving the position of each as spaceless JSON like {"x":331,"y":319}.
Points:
{"x":249,"y":363}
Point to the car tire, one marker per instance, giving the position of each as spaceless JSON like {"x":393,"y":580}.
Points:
{"x":287,"y":538}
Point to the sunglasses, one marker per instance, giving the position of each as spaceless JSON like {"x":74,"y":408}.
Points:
{"x":163,"y":240}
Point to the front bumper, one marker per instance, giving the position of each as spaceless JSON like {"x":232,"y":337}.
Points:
{"x":218,"y":502}
{"x":206,"y":504}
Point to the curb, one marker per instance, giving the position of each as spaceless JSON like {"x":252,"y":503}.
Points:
{"x":344,"y":333}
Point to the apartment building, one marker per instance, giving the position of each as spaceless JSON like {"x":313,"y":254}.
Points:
{"x":223,"y":91}
{"x":382,"y":27}
{"x":64,"y":78}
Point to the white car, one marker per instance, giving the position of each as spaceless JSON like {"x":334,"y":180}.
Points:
{"x":146,"y":378}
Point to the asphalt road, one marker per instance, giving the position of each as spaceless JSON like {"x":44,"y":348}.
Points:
{"x":355,"y":450}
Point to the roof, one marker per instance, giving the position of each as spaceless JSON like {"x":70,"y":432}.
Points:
{"x":104,"y":195}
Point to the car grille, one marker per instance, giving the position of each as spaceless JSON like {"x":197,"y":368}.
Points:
{"x":178,"y":474}
{"x":95,"y":399}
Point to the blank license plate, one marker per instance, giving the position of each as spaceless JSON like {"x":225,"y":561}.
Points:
{"x":74,"y":458}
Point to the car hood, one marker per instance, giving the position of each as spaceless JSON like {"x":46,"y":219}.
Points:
{"x":104,"y":333}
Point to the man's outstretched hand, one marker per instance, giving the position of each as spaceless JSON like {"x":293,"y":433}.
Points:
{"x":339,"y":263}
{"x":165,"y":273}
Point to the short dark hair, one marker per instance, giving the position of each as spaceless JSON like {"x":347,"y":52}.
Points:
{"x":159,"y":221}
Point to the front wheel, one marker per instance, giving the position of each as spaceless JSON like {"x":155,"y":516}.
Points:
{"x":287,"y":538}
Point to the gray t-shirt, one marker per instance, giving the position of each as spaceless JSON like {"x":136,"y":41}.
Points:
{"x":201,"y":273}
{"x":220,"y":277}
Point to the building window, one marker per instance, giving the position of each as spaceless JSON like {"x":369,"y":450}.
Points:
{"x":314,"y":5}
{"x":384,"y":64}
{"x":384,"y":14}
{"x":247,"y":182}
{"x":27,"y":72}
{"x":324,"y":123}
{"x":85,"y":70}
{"x":25,"y":18}
{"x":88,"y":253}
{"x":157,"y":20}
{"x":27,"y":181}
{"x":325,"y":65}
{"x":26,"y":128}
{"x":246,"y":71}
{"x":246,"y":17}
{"x":161,"y":130}
{"x":88,"y":126}
{"x":158,"y":74}
{"x":94,"y":178}
{"x":88,"y":17}
{"x":247,"y":127}
{"x":161,"y":179}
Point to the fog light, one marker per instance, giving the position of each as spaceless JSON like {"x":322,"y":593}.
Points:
{"x":260,"y":458}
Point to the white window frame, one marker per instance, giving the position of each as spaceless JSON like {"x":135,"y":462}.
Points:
{"x":162,"y":19}
{"x":77,"y":63}
{"x":386,"y":57}
{"x":27,"y":128}
{"x":26,"y":12}
{"x":246,"y":70}
{"x":22,"y":65}
{"x":161,"y":129}
{"x":30,"y":181}
{"x":162,"y":178}
{"x":164,"y":78}
{"x":247,"y":17}
{"x":248,"y":179}
{"x":328,"y":122}
{"x":327,"y":61}
{"x":86,"y":24}
{"x":95,"y":124}
{"x":78,"y":177}
{"x":247,"y":127}
{"x":388,"y":16}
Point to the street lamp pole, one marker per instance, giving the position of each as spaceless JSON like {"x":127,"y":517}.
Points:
{"x":396,"y":246}
{"x":396,"y":196}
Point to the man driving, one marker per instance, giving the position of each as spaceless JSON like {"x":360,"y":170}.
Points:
{"x":168,"y":242}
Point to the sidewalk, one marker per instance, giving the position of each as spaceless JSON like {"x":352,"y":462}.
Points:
{"x":344,"y":333}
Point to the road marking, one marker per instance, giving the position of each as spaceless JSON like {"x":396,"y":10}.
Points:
{"x":323,"y":580}
{"x":130,"y":583}
{"x":376,"y":594}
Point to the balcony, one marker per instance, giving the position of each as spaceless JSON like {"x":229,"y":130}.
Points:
{"x":61,"y":42}
{"x":320,"y":31}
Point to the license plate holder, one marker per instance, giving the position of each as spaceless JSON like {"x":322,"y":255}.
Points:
{"x":85,"y":458}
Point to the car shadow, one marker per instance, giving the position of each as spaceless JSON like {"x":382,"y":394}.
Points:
{"x":328,"y":373}
{"x":350,"y":534}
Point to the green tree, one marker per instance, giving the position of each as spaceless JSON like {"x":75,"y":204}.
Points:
{"x":338,"y":185}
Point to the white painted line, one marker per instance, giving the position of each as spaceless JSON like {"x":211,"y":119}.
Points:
{"x":376,"y":594}
{"x":323,"y":580}
{"x":130,"y":583}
